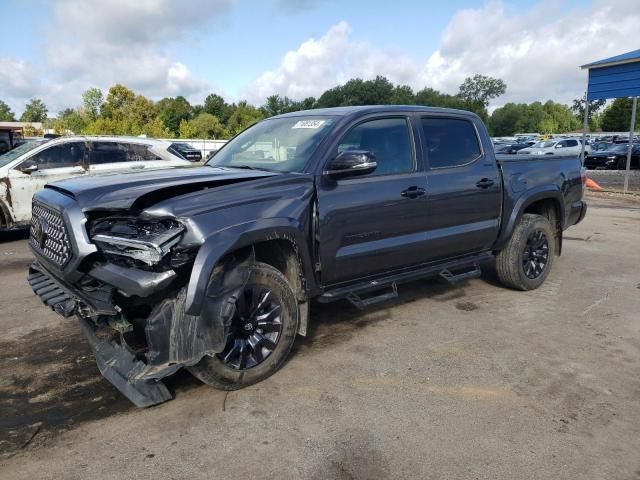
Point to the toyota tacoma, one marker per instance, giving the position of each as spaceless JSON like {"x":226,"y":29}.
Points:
{"x":213,"y":268}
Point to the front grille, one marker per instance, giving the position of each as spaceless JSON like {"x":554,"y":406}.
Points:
{"x":48,"y":234}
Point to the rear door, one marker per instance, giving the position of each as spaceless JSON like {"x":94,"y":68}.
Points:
{"x":57,"y":162}
{"x":464,"y":190}
{"x":375,"y":222}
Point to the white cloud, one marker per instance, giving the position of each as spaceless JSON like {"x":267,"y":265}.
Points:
{"x":537,"y":52}
{"x":123,"y":41}
{"x":17,"y":78}
{"x":321,"y":63}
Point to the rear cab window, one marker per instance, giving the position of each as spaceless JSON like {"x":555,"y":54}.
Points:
{"x":449,"y":142}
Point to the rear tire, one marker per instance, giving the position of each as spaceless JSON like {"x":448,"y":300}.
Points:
{"x":261,"y":336}
{"x":526,"y":260}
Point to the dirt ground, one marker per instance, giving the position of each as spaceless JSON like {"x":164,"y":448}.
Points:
{"x":473,"y":381}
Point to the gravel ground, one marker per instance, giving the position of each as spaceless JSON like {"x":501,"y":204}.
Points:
{"x":472,"y":381}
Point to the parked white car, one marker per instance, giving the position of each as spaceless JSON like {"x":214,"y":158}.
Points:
{"x":565,"y":146}
{"x":27,"y":168}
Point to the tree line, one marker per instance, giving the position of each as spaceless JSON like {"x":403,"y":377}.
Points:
{"x":124,"y":112}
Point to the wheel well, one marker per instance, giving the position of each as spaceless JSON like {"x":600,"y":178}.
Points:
{"x":282,"y":254}
{"x":549,"y":208}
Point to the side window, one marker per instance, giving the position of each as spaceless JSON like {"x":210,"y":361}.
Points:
{"x":572,"y":143}
{"x":59,"y":156}
{"x":141,"y":153}
{"x":450,"y":142}
{"x":388,"y":139}
{"x":106,"y":152}
{"x":114,"y":152}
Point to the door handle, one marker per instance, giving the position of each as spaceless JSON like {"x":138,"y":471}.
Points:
{"x":485,"y":183}
{"x":137,"y":167}
{"x":412,"y":192}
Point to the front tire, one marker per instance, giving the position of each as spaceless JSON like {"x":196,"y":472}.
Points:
{"x":526,"y":260}
{"x":261,"y":336}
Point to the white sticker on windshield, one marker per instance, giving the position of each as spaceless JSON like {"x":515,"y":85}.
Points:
{"x":309,"y":124}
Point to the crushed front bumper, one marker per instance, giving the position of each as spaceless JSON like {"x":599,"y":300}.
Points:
{"x":135,"y":379}
{"x":173,"y":339}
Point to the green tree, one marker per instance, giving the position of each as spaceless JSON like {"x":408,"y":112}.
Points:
{"x":481,"y":89}
{"x":118,"y":102}
{"x":402,"y":95}
{"x":356,"y":91}
{"x":173,"y":110}
{"x":140,"y":113}
{"x":433,"y":98}
{"x":34,"y":111}
{"x":215,"y":105}
{"x":205,"y":126}
{"x":562,"y":118}
{"x":70,"y":120}
{"x":6,"y":115}
{"x":617,"y":116}
{"x":595,"y":107}
{"x":507,"y":120}
{"x":243,"y":115}
{"x":277,"y":105}
{"x":91,"y":102}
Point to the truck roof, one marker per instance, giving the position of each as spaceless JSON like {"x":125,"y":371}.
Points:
{"x":365,"y":109}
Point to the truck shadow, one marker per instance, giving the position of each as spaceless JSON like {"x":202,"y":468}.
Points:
{"x":14,"y":235}
{"x":49,"y":382}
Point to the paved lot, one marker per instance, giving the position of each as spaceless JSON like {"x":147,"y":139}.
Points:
{"x":473,"y":381}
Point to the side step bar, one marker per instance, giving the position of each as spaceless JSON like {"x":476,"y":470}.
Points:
{"x":454,"y":278}
{"x":363,"y":303}
{"x":453,"y":272}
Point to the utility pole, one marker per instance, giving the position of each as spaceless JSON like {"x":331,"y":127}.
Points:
{"x":585,"y":127}
{"x":631,"y":134}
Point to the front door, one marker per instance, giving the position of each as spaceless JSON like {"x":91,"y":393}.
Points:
{"x":57,"y":162}
{"x":375,"y":222}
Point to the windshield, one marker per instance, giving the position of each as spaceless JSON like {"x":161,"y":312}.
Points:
{"x":544,"y":144}
{"x":11,"y":155}
{"x":279,"y":144}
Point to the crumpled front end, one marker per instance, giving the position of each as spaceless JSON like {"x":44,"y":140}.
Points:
{"x":129,"y":294}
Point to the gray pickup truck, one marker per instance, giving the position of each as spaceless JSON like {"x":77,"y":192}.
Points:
{"x":213,"y":268}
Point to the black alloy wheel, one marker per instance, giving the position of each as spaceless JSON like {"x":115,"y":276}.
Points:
{"x":536,"y":254}
{"x":255,"y":328}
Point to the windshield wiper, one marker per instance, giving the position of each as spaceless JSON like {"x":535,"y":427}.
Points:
{"x":250,"y":167}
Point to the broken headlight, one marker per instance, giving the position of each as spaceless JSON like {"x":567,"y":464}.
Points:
{"x":147,"y":242}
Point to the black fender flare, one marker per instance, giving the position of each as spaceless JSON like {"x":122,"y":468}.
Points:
{"x":222,"y":242}
{"x":552,"y":192}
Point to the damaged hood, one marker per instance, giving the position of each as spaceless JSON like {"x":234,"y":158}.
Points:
{"x":123,"y":190}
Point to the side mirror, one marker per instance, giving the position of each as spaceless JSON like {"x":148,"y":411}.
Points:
{"x":351,"y":163}
{"x":29,"y":168}
{"x":559,"y":146}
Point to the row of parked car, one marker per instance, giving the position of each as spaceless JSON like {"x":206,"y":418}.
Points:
{"x":35,"y":162}
{"x":600,"y":153}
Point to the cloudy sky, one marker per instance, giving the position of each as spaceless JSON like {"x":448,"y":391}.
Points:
{"x":249,"y":49}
